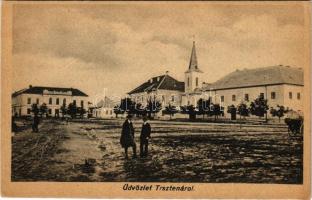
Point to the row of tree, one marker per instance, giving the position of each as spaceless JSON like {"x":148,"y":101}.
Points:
{"x":71,"y":110}
{"x":205,"y":107}
{"x":128,"y":106}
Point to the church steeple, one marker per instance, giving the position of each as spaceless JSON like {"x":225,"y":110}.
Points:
{"x":193,"y":75}
{"x":193,"y":61}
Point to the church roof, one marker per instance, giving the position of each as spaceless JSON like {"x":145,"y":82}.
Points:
{"x":193,"y":66}
{"x":40,"y":89}
{"x":163,"y":82}
{"x":273,"y":75}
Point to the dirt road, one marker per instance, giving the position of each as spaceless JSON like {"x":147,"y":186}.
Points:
{"x":188,"y":152}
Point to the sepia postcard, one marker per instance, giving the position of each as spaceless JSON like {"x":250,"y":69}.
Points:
{"x":126,"y":99}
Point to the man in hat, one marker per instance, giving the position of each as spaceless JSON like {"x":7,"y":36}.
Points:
{"x":144,"y":137}
{"x":127,"y":136}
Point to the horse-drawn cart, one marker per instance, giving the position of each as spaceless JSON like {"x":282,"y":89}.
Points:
{"x":294,"y":121}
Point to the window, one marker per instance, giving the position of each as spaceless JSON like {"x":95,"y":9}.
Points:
{"x":57,"y":112}
{"x":111,"y":112}
{"x":273,"y":95}
{"x":74,"y":102}
{"x":233,"y":97}
{"x":290,"y":95}
{"x":50,"y":111}
{"x":29,"y":101}
{"x":222,"y":98}
{"x":50,"y":100}
{"x":81,"y":104}
{"x":246,"y":97}
{"x":57,"y":101}
{"x":188,"y":81}
{"x":188,"y":102}
{"x":196,"y":81}
{"x":37,"y":101}
{"x":106,"y":112}
{"x":28,"y":111}
{"x":262,"y":95}
{"x":298,"y":95}
{"x":64,"y":101}
{"x":172,"y":98}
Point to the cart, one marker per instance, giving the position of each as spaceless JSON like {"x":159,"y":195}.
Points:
{"x":294,"y":121}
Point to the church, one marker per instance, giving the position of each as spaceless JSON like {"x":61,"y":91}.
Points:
{"x":280,"y":85}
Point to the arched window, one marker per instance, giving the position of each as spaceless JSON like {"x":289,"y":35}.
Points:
{"x":50,"y":100}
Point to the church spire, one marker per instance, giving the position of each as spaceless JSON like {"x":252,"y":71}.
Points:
{"x":193,"y":61}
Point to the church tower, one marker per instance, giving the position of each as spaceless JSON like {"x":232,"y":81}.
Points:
{"x":193,"y":76}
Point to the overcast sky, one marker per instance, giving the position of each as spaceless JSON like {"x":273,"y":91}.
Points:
{"x":118,"y":46}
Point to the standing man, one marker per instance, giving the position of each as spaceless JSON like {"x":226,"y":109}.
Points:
{"x":144,"y":137}
{"x":127,"y":136}
{"x":35,"y":124}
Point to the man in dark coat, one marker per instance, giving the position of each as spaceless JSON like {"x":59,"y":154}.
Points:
{"x":127,"y":136}
{"x":35,"y":124}
{"x":144,"y":137}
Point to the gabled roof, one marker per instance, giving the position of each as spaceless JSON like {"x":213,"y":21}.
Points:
{"x":272,"y":75}
{"x":164,"y":82}
{"x":106,"y":103}
{"x":40,"y":89}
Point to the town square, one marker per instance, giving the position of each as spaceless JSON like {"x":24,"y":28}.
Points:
{"x":180,"y":93}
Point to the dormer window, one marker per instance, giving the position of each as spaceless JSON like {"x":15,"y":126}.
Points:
{"x":158,"y":78}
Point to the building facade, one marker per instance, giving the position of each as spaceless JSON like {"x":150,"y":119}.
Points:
{"x":280,"y":85}
{"x":104,"y":109}
{"x":53,"y":97}
{"x":164,"y":89}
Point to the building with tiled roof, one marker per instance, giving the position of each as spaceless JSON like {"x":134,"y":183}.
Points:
{"x":280,"y":85}
{"x":165,"y":88}
{"x":265,"y":76}
{"x":53,"y":97}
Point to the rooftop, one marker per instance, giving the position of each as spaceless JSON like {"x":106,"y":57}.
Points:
{"x":272,"y":75}
{"x":52,"y":90}
{"x":163,"y":82}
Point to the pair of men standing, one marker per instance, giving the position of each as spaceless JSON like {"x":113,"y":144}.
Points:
{"x":127,"y":137}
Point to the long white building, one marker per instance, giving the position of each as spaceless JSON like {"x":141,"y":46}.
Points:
{"x":53,"y":97}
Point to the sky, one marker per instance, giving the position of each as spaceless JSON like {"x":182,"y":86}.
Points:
{"x":117,"y":46}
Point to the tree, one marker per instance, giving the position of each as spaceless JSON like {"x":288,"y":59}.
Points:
{"x":63,"y":110}
{"x":279,"y":112}
{"x":81,"y":111}
{"x":72,"y":110}
{"x":242,"y":110}
{"x":259,"y":107}
{"x":232,"y":110}
{"x":190,"y":110}
{"x":35,"y":109}
{"x":216,"y":110}
{"x":127,"y":105}
{"x":118,"y":110}
{"x":152,"y":107}
{"x":204,"y":107}
{"x":43,"y":109}
{"x":170,"y":110}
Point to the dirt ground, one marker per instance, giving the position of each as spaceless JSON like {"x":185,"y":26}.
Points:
{"x":179,"y":151}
